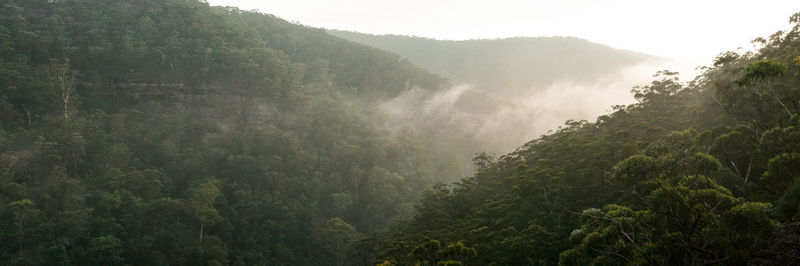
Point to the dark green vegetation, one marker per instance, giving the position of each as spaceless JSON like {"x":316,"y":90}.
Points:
{"x":168,"y":132}
{"x":173,"y":133}
{"x":694,"y":173}
{"x":506,"y":65}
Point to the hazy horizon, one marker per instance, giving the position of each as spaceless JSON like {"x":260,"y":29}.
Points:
{"x":660,"y":30}
{"x":180,"y":132}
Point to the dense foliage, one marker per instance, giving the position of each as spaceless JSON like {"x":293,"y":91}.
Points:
{"x":694,"y":173}
{"x":168,"y":132}
{"x":174,"y":133}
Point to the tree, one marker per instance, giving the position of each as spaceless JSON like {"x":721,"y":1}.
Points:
{"x":338,"y":237}
{"x":104,"y":250}
{"x":635,"y":169}
{"x":64,"y":78}
{"x":782,"y":171}
{"x":23,"y":211}
{"x":693,"y":222}
{"x":201,"y":205}
{"x":765,"y":70}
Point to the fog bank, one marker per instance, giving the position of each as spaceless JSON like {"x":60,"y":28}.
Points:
{"x":498,"y":120}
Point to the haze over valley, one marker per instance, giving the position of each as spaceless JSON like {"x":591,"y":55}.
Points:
{"x":508,"y":91}
{"x":181,"y":132}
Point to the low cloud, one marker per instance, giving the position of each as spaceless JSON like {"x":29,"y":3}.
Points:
{"x":499,"y":120}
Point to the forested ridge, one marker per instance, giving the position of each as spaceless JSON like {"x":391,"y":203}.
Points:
{"x":509,"y":64}
{"x":694,"y":173}
{"x":169,"y":132}
{"x":174,"y":133}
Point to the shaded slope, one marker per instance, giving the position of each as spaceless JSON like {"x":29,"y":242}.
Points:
{"x":783,"y":248}
{"x":174,"y":133}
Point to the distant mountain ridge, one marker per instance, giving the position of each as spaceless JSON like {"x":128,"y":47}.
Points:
{"x":517,"y":88}
{"x":510,"y":63}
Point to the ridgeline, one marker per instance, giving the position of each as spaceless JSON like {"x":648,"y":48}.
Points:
{"x":171,"y":132}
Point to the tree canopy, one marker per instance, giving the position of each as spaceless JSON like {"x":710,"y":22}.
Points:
{"x":169,"y":132}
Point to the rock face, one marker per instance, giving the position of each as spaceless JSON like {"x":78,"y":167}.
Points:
{"x":783,"y":248}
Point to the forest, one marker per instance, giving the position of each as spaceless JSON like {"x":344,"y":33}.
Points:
{"x":174,"y":133}
{"x":695,"y":173}
{"x":171,"y":132}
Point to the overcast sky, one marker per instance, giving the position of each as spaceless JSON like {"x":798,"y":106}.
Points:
{"x":687,"y":30}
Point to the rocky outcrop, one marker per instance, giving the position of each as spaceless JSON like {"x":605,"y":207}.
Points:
{"x":783,"y":248}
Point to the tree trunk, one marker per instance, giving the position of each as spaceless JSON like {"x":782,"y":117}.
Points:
{"x":779,"y":99}
{"x":66,"y":108}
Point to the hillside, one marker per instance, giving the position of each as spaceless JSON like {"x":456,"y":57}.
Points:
{"x":170,"y":132}
{"x":694,"y":173}
{"x":173,"y":133}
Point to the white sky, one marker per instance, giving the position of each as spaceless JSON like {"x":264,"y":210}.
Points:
{"x":687,"y":30}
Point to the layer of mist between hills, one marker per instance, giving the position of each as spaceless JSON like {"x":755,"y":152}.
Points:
{"x":509,"y":91}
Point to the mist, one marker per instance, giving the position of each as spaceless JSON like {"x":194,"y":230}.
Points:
{"x":498,"y":120}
